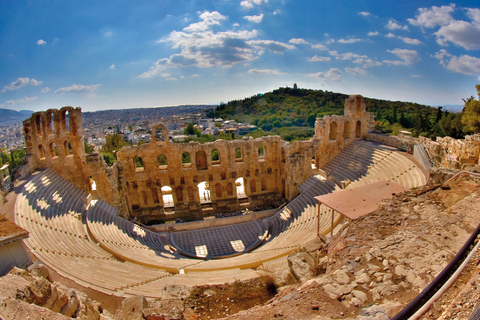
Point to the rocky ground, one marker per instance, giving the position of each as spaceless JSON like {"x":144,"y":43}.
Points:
{"x":371,"y":269}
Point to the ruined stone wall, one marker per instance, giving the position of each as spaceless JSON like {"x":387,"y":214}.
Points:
{"x":152,"y":182}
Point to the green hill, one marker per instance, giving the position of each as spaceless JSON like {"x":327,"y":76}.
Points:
{"x":290,"y":107}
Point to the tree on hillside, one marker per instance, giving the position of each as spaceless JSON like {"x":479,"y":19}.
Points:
{"x":113,"y":143}
{"x":471,"y":115}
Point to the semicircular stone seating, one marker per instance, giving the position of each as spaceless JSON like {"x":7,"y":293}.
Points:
{"x":93,"y":246}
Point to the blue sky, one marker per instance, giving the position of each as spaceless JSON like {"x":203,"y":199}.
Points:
{"x":125,"y":54}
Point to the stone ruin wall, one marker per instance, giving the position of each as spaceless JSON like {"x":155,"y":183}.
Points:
{"x":269,"y":179}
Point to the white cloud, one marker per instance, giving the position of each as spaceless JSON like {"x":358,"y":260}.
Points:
{"x":333,"y":74}
{"x":434,"y":16}
{"x":165,"y":75}
{"x":208,"y":19}
{"x":8,"y":103}
{"x":298,"y":41}
{"x":249,"y":4}
{"x":112,"y":67}
{"x":464,"y":64}
{"x":474,"y":14}
{"x":348,"y":40}
{"x":55,"y":40}
{"x":45,"y":90}
{"x":394,"y":25}
{"x":266,"y":71}
{"x":367,"y":63}
{"x":356,"y":71}
{"x":17,"y":84}
{"x":406,"y":56}
{"x":373,"y":33}
{"x":255,"y":19}
{"x":41,"y":42}
{"x":34,"y":82}
{"x":347,"y":56}
{"x":195,"y":75}
{"x":107,"y":34}
{"x":171,"y":79}
{"x":318,"y":59}
{"x":271,"y":45}
{"x":27,"y":99}
{"x":364,"y":13}
{"x":78,"y":88}
{"x":416,"y":76}
{"x":319,"y":47}
{"x":461,"y":33}
{"x":410,"y":40}
{"x":390,"y":35}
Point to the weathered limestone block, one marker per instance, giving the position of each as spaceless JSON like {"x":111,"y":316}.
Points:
{"x":132,"y":308}
{"x":302,"y":266}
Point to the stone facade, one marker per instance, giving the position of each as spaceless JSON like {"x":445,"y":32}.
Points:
{"x":162,"y":180}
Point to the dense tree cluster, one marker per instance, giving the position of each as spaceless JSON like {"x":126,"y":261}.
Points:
{"x":113,"y":143}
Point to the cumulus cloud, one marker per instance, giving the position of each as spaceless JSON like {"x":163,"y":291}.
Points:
{"x":208,"y":19}
{"x":112,"y":67}
{"x":434,"y":16}
{"x":255,"y":19}
{"x":463,"y":64}
{"x":298,"y":41}
{"x":8,"y":103}
{"x":271,"y":45}
{"x":406,"y":57}
{"x":41,"y":42}
{"x":348,"y":40}
{"x":367,"y":63}
{"x":394,"y":25}
{"x":364,"y":13}
{"x":17,"y":84}
{"x":27,"y":99}
{"x":410,"y":40}
{"x":334,"y":74}
{"x":45,"y":90}
{"x":373,"y":33}
{"x":461,"y":33}
{"x":318,"y":59}
{"x":78,"y":88}
{"x":319,"y":47}
{"x":266,"y":71}
{"x":249,"y":4}
{"x":347,"y":56}
{"x":34,"y":82}
{"x":356,"y":71}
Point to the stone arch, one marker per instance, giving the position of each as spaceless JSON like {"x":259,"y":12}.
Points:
{"x":167,"y":196}
{"x":160,"y":133}
{"x":238,"y":155}
{"x":240,"y":186}
{"x":38,"y":124}
{"x":138,"y":162}
{"x":162,"y":161}
{"x":215,"y":156}
{"x":50,"y":122}
{"x":204,"y":192}
{"x":358,"y":129}
{"x":186,"y":160}
{"x":347,"y":130}
{"x":261,"y":151}
{"x":201,"y":160}
{"x":41,"y":152}
{"x":229,"y":189}
{"x":67,"y":147}
{"x":63,"y":120}
{"x":253,"y":186}
{"x":53,"y":150}
{"x":218,"y":190}
{"x":333,"y":131}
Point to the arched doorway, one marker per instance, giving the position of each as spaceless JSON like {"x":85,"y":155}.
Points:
{"x":240,"y":185}
{"x":167,"y":197}
{"x":358,"y":129}
{"x":204,"y":192}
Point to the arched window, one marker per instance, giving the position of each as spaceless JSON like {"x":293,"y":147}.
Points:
{"x":215,"y":156}
{"x":261,"y":151}
{"x":204,"y":192}
{"x":333,"y":130}
{"x":38,"y":123}
{"x":186,"y":161}
{"x":257,"y":172}
{"x":41,"y":152}
{"x":67,"y":147}
{"x":346,"y":130}
{"x":162,"y":161}
{"x":155,"y":195}
{"x":201,"y":160}
{"x":238,"y":155}
{"x":253,"y":186}
{"x":138,"y":163}
{"x":53,"y":150}
{"x":51,"y":122}
{"x":218,"y":190}
{"x":358,"y":129}
{"x":229,"y":189}
{"x":264,"y":184}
